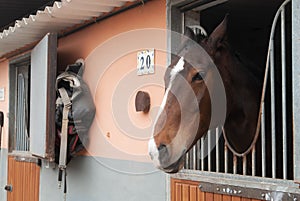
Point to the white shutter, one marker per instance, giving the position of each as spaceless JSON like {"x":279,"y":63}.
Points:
{"x":42,"y":97}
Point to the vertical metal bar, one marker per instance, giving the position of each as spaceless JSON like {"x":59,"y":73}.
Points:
{"x":245,"y":165}
{"x":263,"y":142}
{"x":21,"y":114}
{"x":217,"y":151}
{"x":183,"y":22}
{"x":234,"y":164}
{"x":194,"y":157}
{"x":209,"y":150}
{"x":296,"y":85}
{"x":18,"y":114}
{"x":226,"y":157}
{"x":253,"y":161}
{"x":198,"y":154}
{"x":273,"y":127}
{"x":202,"y":154}
{"x":283,"y":79}
{"x":187,"y":160}
{"x":20,"y":134}
{"x":191,"y":158}
{"x":20,"y":119}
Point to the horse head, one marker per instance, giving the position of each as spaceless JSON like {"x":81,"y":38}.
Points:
{"x":206,"y":85}
{"x":186,"y":111}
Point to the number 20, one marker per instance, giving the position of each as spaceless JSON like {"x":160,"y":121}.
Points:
{"x":148,"y":62}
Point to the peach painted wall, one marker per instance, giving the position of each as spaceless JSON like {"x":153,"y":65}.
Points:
{"x":81,"y":43}
{"x":4,"y":83}
{"x":110,"y":49}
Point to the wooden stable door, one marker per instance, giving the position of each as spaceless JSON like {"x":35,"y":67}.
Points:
{"x":183,"y":190}
{"x":23,"y":180}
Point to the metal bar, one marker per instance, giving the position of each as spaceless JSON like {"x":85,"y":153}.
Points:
{"x":239,"y":180}
{"x":263,"y":142}
{"x":194,"y":157}
{"x":245,"y":165}
{"x":217,"y":151}
{"x":253,"y":161}
{"x":190,"y":159}
{"x":273,"y":127}
{"x":187,"y":160}
{"x":209,"y":150}
{"x":198,"y":154}
{"x":17,"y":117}
{"x":234,"y":164}
{"x":191,"y":153}
{"x":270,"y":60}
{"x":296,"y":85}
{"x":246,"y":192}
{"x":226,"y":158}
{"x":183,"y":22}
{"x":202,"y":154}
{"x":24,"y":140}
{"x":283,"y":80}
{"x":19,"y":114}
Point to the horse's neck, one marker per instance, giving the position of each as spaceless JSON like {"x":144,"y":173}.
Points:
{"x":242,"y":84}
{"x":243,"y":98}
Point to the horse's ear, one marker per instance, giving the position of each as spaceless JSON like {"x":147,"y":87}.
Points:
{"x":188,"y":32}
{"x":218,"y":36}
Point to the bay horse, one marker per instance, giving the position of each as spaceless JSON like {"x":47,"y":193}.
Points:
{"x":194,"y":101}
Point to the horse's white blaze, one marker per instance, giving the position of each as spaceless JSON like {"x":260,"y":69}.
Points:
{"x":162,"y":106}
{"x":152,"y":148}
{"x":178,"y":67}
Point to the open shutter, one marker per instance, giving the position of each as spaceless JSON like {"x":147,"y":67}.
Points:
{"x":42,"y":97}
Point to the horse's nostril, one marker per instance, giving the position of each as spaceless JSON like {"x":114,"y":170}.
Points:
{"x":163,"y":154}
{"x":163,"y":150}
{"x":161,"y":147}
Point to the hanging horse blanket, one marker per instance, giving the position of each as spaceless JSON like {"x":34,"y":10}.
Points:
{"x":73,"y":98}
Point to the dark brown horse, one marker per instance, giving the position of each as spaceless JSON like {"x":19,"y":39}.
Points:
{"x":196,"y":83}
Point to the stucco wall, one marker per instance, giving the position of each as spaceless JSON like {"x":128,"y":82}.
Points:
{"x":110,"y":50}
{"x":116,"y":165}
{"x":82,"y":43}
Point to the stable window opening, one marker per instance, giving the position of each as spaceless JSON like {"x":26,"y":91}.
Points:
{"x":251,"y":34}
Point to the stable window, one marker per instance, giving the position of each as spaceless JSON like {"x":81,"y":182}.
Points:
{"x":271,"y":165}
{"x":19,"y":104}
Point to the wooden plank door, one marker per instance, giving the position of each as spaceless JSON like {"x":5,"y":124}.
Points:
{"x":184,"y":190}
{"x":24,"y":179}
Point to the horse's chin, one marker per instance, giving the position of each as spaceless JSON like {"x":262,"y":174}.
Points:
{"x":175,"y":167}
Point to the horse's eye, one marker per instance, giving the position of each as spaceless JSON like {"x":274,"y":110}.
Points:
{"x":198,"y":77}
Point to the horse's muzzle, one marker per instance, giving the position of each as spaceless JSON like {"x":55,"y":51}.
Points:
{"x":175,"y":167}
{"x":161,"y":158}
